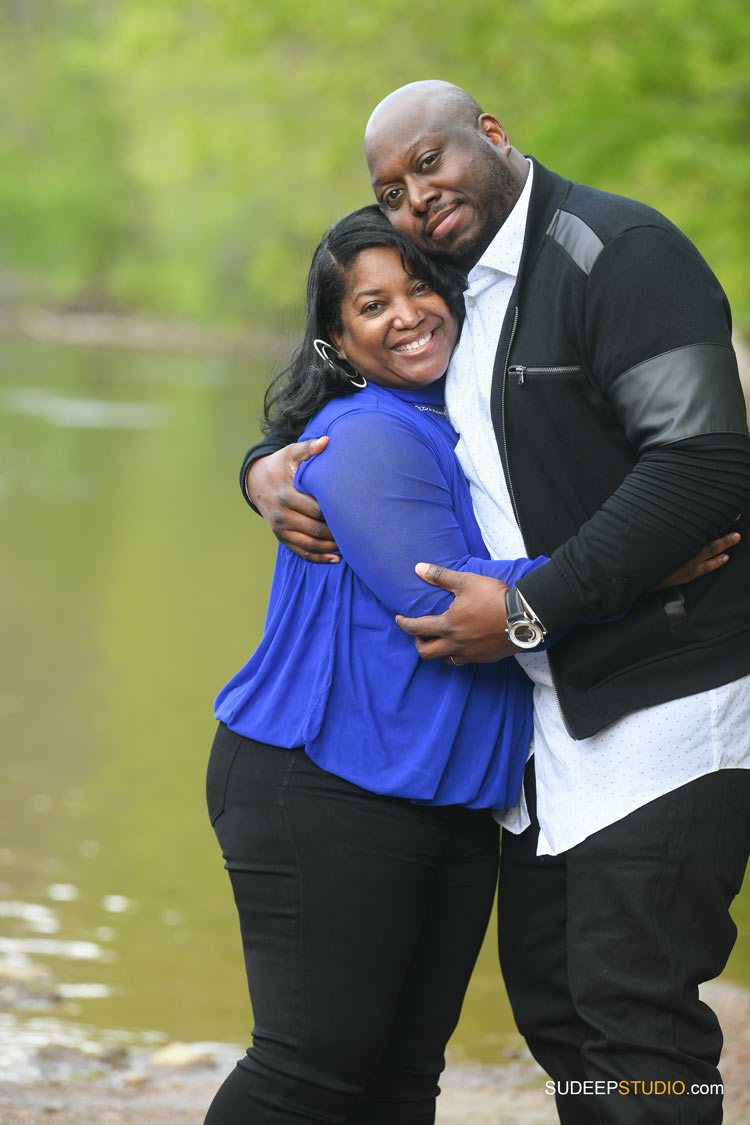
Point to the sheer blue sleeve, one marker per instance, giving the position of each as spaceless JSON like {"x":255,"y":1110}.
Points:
{"x":391,"y":504}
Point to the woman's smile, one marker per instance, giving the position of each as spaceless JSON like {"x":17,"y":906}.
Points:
{"x":413,"y":346}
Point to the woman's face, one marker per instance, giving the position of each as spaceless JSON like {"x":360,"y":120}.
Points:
{"x":397,"y":331}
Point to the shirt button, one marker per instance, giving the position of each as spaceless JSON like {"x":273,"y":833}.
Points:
{"x":470,"y":302}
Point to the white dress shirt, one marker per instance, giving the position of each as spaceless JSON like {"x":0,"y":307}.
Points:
{"x":582,"y":786}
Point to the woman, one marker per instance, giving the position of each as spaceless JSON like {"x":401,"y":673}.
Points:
{"x":349,"y":781}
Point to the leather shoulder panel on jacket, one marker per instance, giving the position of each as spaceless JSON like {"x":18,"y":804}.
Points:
{"x":577,"y":238}
{"x":683,"y":393}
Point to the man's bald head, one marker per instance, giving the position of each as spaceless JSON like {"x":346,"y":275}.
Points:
{"x":431,"y":95}
{"x":443,"y":170}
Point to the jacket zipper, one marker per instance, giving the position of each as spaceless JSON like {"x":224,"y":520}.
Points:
{"x":520,"y":370}
{"x":502,"y":415}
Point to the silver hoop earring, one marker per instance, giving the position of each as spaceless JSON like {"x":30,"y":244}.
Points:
{"x":360,"y":386}
{"x":320,"y":347}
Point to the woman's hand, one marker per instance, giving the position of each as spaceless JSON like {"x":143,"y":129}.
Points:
{"x":709,"y":559}
{"x":294,"y":518}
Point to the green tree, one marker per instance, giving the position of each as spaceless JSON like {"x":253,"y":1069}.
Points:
{"x":182,"y":157}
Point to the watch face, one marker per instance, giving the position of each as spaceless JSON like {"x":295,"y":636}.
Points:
{"x":525,"y":634}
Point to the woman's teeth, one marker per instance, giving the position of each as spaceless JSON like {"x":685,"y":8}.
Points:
{"x":415,"y":344}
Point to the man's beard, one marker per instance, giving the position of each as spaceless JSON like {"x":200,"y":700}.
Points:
{"x":495,"y":198}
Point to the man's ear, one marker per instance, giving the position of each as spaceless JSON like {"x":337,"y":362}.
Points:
{"x":493,"y":130}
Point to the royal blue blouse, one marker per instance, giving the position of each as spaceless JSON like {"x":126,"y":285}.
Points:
{"x":333,"y":672}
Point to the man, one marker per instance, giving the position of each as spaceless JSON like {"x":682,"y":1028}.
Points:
{"x":600,"y":421}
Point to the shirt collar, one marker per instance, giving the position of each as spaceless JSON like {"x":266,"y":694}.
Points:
{"x":433,"y":393}
{"x":503,"y":255}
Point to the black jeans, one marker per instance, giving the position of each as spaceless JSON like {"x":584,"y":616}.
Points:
{"x":603,"y":948}
{"x":361,"y":919}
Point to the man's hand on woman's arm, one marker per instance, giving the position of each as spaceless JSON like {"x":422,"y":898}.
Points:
{"x":294,"y":518}
{"x":472,"y":630}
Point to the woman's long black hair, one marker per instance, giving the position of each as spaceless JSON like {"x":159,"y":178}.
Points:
{"x":308,"y":383}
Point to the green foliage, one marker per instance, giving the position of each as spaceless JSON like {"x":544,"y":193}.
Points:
{"x":182,"y":157}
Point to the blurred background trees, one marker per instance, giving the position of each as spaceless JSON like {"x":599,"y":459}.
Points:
{"x":180,"y":158}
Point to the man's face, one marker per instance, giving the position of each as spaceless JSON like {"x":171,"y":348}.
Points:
{"x":444,"y":184}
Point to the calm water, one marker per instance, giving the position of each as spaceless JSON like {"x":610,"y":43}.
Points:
{"x":133,"y":584}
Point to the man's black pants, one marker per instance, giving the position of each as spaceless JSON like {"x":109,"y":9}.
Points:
{"x":603,"y":948}
{"x":361,"y":919}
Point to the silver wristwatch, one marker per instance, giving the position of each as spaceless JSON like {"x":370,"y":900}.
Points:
{"x":522,"y":627}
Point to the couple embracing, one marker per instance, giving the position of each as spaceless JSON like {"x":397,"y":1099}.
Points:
{"x":528,"y":385}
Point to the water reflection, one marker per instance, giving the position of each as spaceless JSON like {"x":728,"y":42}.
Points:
{"x":85,"y":413}
{"x":51,"y":947}
{"x":40,"y":919}
{"x":132,"y":584}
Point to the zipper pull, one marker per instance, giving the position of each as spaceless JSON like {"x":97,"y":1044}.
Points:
{"x":519,"y":370}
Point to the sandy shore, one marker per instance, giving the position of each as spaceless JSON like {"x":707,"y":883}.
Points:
{"x":178,"y":1092}
{"x":467,"y":1098}
{"x":471,"y":1096}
